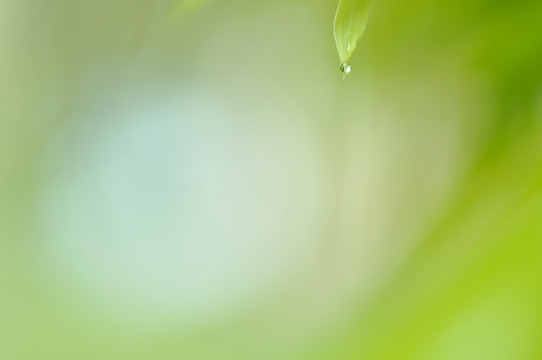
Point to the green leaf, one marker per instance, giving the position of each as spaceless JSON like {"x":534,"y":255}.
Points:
{"x":184,"y":8}
{"x":350,"y":22}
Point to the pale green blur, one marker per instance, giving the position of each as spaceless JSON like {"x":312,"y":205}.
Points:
{"x":197,"y":181}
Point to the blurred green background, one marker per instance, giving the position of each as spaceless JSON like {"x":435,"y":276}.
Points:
{"x":198,"y":182}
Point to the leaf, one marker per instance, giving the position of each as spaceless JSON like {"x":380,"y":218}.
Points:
{"x":349,"y":25}
{"x":184,"y":8}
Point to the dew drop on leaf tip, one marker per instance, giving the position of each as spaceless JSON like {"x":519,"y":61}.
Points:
{"x":346,"y":68}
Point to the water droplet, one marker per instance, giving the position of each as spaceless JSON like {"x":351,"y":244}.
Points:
{"x":346,"y":68}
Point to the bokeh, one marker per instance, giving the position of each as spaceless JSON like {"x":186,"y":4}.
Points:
{"x":194,"y":180}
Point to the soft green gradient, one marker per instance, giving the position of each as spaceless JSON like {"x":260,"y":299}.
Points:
{"x":208,"y":187}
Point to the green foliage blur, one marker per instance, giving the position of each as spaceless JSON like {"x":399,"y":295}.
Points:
{"x":196,"y":181}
